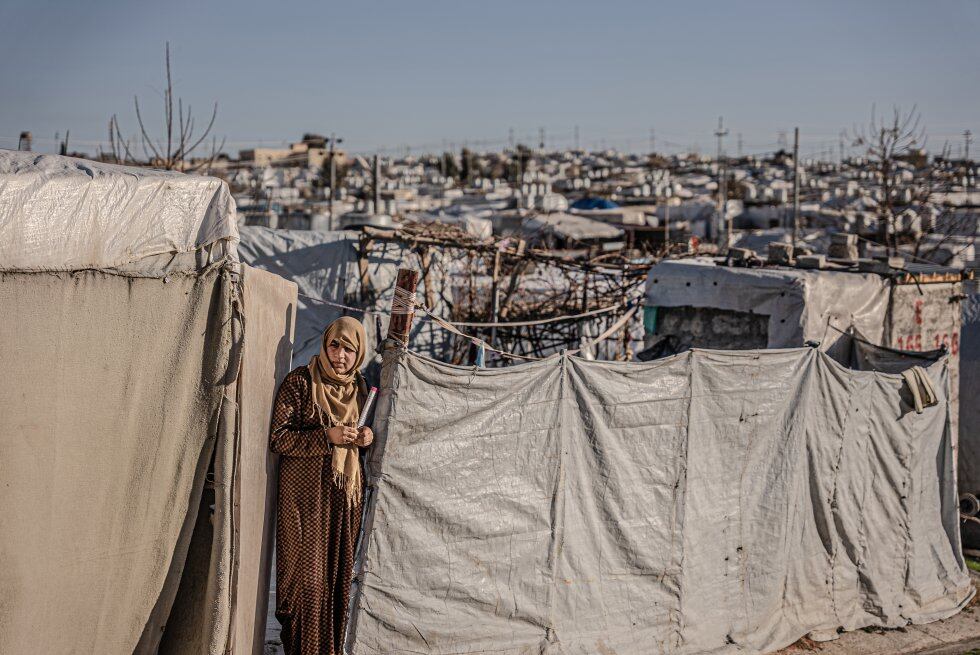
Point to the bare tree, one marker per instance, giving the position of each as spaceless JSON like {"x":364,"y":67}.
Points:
{"x":886,"y":142}
{"x":172,"y":151}
{"x":910,"y":182}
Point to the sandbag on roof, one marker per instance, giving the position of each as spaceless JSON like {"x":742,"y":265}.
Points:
{"x":63,"y":213}
{"x":714,"y":501}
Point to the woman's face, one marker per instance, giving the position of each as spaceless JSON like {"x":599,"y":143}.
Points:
{"x":341,"y":357}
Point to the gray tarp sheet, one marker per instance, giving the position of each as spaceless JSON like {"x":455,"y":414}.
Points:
{"x":322,"y":264}
{"x":969,"y":349}
{"x":109,"y":406}
{"x":710,"y":502}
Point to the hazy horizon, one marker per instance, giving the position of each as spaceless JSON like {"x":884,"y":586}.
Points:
{"x":439,"y":74}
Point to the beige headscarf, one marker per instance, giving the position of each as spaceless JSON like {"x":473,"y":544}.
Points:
{"x":335,"y":397}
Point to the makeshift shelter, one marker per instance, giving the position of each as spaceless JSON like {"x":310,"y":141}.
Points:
{"x":563,"y":230}
{"x":594,"y":203}
{"x":140,"y":359}
{"x":722,"y":502}
{"x":700,"y":303}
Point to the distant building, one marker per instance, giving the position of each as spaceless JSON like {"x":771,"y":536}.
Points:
{"x":310,"y":152}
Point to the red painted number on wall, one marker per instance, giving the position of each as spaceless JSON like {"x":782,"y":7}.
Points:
{"x":914,"y":342}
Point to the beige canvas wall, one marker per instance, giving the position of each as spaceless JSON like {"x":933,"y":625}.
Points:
{"x":269,"y":303}
{"x":109,"y":402}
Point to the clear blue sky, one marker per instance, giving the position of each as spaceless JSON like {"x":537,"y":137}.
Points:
{"x":384,"y":74}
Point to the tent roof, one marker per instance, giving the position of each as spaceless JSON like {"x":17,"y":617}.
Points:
{"x":572,"y":226}
{"x":594,"y":203}
{"x":64,"y":213}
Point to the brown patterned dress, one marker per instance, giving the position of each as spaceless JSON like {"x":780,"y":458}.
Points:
{"x":316,"y":530}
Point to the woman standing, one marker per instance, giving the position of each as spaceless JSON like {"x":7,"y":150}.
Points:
{"x":318,"y":517}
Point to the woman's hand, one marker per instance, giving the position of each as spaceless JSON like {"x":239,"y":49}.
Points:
{"x":342,"y":435}
{"x":364,"y":437}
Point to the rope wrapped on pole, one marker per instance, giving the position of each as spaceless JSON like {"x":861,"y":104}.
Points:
{"x":403,"y":305}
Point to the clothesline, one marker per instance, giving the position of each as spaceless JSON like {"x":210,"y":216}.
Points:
{"x":497,"y":324}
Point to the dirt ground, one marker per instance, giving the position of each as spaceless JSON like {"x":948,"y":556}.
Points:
{"x":957,"y":635}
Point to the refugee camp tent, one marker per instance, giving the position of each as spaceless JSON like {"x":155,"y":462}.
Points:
{"x":140,"y":359}
{"x":713,"y":501}
{"x":566,"y":229}
{"x":708,"y":305}
{"x":594,"y":203}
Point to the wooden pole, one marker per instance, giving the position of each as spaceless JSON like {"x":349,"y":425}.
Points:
{"x":796,"y":185}
{"x":400,"y":325}
{"x":362,"y":266}
{"x":495,"y":297}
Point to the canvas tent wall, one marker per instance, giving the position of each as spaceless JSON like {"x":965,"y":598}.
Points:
{"x":140,"y":358}
{"x":712,"y":501}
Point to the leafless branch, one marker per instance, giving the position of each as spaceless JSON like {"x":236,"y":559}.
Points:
{"x":174,"y":149}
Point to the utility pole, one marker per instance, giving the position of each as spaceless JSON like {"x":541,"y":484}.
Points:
{"x":333,"y":175}
{"x":377,"y":185}
{"x":842,"y":135}
{"x":967,"y":138}
{"x":796,"y":185}
{"x":721,"y":133}
{"x":541,"y":139}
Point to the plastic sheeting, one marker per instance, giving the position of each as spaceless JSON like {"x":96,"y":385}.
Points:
{"x":710,"y":502}
{"x":801,"y":304}
{"x":322,"y":264}
{"x":969,"y":350}
{"x":62,"y":213}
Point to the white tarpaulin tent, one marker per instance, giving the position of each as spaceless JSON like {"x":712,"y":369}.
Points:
{"x":820,"y":305}
{"x":800,"y":304}
{"x":710,"y":502}
{"x":140,"y":358}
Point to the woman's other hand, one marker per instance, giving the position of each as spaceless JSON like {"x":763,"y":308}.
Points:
{"x":342,"y":435}
{"x":364,"y":437}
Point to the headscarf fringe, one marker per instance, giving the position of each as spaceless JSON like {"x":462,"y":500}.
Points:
{"x":351,"y":487}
